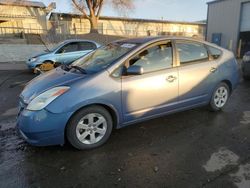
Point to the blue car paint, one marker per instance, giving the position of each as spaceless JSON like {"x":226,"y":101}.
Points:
{"x":59,"y":112}
{"x":42,"y":127}
{"x":47,"y":127}
{"x":48,"y":80}
{"x":53,"y":56}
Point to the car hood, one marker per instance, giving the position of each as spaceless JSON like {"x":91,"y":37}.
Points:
{"x":40,"y":54}
{"x":56,"y":77}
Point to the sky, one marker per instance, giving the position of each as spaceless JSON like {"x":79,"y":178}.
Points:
{"x":174,"y":10}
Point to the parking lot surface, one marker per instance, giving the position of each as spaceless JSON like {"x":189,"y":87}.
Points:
{"x":195,"y":148}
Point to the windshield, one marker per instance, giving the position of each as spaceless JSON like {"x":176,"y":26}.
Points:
{"x":104,"y":56}
{"x":52,"y":49}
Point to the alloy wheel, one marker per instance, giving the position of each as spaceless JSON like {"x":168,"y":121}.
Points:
{"x":91,"y":128}
{"x":220,"y":97}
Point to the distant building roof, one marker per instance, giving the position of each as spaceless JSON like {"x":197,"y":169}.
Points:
{"x":126,"y":19}
{"x":215,"y":1}
{"x":23,"y":3}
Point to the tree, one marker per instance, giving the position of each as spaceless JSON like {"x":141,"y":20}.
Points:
{"x":91,"y":9}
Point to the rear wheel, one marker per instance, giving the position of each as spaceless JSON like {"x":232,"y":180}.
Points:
{"x":89,"y":128}
{"x":220,"y":97}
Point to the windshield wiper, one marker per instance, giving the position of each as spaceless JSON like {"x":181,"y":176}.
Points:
{"x":79,"y":68}
{"x":65,"y":67}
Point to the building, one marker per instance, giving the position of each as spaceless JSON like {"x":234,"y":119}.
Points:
{"x":76,"y":24}
{"x":228,"y":24}
{"x":22,"y":16}
{"x":31,"y":17}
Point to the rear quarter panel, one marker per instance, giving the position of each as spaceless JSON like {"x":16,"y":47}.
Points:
{"x":229,"y":69}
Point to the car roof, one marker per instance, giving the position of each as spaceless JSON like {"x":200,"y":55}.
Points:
{"x":144,"y":40}
{"x":79,"y":40}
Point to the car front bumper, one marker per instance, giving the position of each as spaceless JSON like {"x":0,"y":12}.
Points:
{"x":42,"y":128}
{"x":32,"y":64}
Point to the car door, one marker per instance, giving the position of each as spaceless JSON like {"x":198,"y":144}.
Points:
{"x":198,"y":73}
{"x":67,"y":53}
{"x":155,"y":91}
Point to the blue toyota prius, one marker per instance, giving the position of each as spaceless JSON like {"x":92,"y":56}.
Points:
{"x":122,"y":83}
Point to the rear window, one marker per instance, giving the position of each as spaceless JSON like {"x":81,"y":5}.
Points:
{"x":191,"y":52}
{"x":86,"y":46}
{"x":214,"y":52}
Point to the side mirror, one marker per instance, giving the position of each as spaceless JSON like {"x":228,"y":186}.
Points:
{"x":135,"y":70}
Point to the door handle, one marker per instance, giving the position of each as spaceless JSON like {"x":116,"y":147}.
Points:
{"x":171,"y":78}
{"x":213,"y":69}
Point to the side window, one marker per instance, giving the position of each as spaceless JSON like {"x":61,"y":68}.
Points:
{"x":71,"y":47}
{"x":191,"y":52}
{"x":154,"y":58}
{"x":86,"y":46}
{"x":214,"y":52}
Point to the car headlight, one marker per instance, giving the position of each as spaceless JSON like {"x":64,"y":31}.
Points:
{"x":45,"y":98}
{"x":33,"y":59}
{"x":246,"y":58}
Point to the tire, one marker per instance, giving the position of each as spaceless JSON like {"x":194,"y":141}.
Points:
{"x":220,"y":97}
{"x":87,"y":124}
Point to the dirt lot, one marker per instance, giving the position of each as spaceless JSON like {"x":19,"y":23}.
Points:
{"x":194,"y":148}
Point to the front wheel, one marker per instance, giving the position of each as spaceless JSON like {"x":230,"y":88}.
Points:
{"x":89,"y":128}
{"x":220,"y":97}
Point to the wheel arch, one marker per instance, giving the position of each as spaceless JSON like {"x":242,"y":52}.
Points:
{"x":42,"y":62}
{"x":111,"y":110}
{"x":230,"y":85}
{"x":49,"y":60}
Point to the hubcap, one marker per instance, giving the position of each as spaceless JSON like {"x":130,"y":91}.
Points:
{"x":220,"y":97}
{"x":91,"y":128}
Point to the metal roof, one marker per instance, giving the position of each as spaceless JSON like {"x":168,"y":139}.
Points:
{"x":214,"y":1}
{"x":23,"y":3}
{"x":128,"y":19}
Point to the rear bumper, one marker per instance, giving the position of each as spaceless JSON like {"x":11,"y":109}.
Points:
{"x":42,"y":128}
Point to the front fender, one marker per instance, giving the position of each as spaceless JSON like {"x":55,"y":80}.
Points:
{"x":96,"y":89}
{"x":108,"y":104}
{"x":77,"y":107}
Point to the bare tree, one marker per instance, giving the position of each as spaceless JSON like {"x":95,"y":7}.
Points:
{"x":91,"y":9}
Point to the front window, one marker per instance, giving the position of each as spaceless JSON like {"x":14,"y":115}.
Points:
{"x":155,"y":58}
{"x":54,"y":48}
{"x":104,"y":56}
{"x":71,"y":47}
